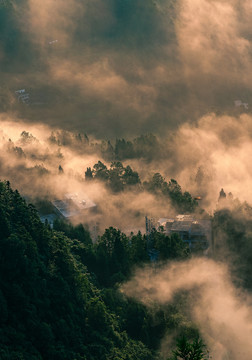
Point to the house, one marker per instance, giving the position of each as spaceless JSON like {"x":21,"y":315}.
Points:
{"x":195,"y":232}
{"x":72,"y":205}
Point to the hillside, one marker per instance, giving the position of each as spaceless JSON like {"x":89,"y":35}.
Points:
{"x":50,"y":308}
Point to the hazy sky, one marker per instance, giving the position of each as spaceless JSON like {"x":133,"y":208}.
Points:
{"x":125,"y":67}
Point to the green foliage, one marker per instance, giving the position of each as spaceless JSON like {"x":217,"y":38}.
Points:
{"x":88,"y":174}
{"x":138,"y":249}
{"x":117,"y":178}
{"x":189,"y":351}
{"x":50,"y":306}
{"x":73,"y":232}
{"x":124,"y":149}
{"x":130,"y":177}
{"x":232,"y":231}
{"x":183,"y":202}
{"x":110,"y":262}
{"x":100,"y":171}
{"x":113,"y":263}
{"x":66,"y":138}
{"x":59,"y":296}
{"x":144,"y":146}
{"x":169,"y":247}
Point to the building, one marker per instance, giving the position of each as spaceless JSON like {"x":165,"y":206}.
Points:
{"x":195,"y":232}
{"x":72,"y":205}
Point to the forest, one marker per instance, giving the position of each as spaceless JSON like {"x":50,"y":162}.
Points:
{"x":60,"y":292}
{"x":60,"y":295}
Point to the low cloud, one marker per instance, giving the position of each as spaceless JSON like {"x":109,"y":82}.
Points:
{"x":222,"y":312}
{"x":220,"y":146}
{"x":30,"y":161}
{"x":203,"y":156}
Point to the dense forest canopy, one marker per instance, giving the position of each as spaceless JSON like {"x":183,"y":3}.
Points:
{"x":59,"y":291}
{"x":60,"y":294}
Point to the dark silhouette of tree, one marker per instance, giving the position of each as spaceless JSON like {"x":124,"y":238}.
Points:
{"x":183,"y":202}
{"x":88,"y":174}
{"x":100,"y":171}
{"x":130,"y":177}
{"x":61,"y":171}
{"x":190,"y":351}
{"x":222,"y":195}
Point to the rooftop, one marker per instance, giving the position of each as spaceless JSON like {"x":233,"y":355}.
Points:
{"x":73,"y":204}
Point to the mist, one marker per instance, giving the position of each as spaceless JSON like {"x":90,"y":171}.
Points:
{"x":222,"y":313}
{"x":203,"y":156}
{"x":126,"y":68}
{"x":30,"y":161}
